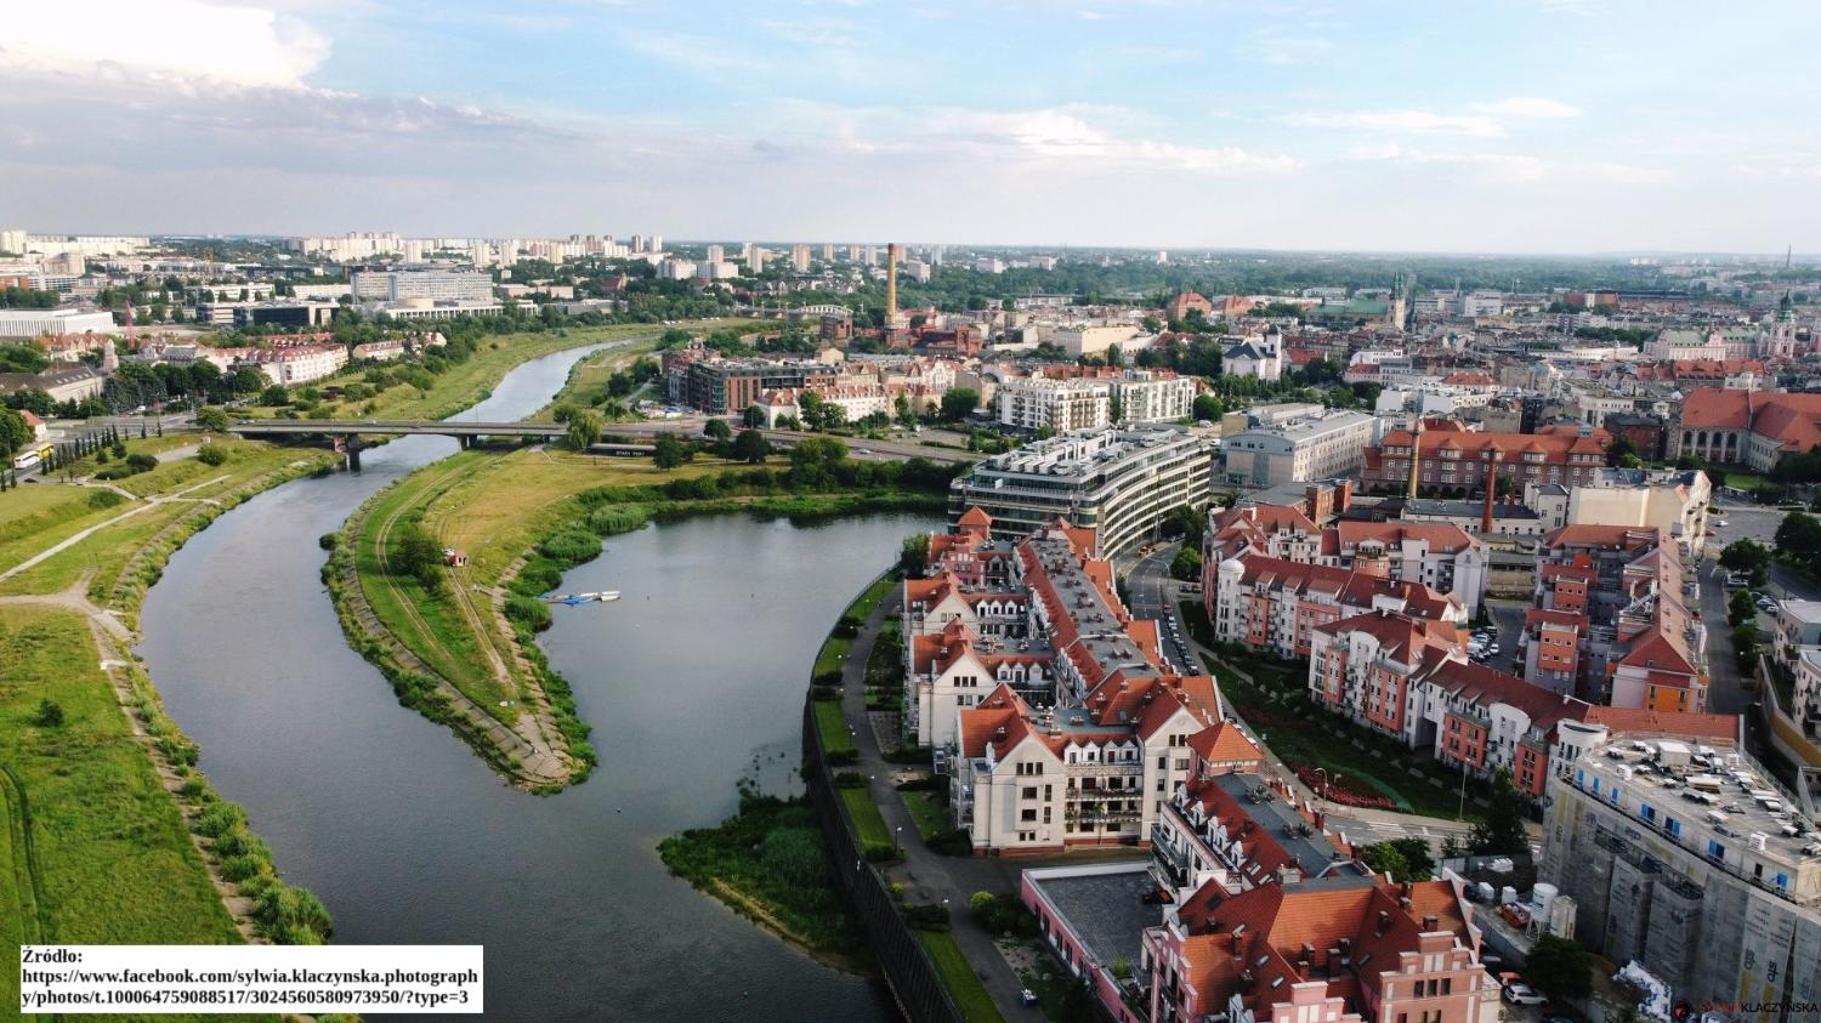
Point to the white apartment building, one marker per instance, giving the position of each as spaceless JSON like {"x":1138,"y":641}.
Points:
{"x":1145,"y":396}
{"x":1119,"y":481}
{"x":36,"y":322}
{"x":434,"y":285}
{"x":1089,"y":340}
{"x":1036,"y":403}
{"x":1673,"y":500}
{"x":676,"y":269}
{"x":1317,"y":446}
{"x":297,"y":365}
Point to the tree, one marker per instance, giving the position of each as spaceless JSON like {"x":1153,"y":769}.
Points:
{"x":14,"y":434}
{"x":215,"y":419}
{"x":809,"y":406}
{"x":1622,"y":453}
{"x":913,"y":554}
{"x":1187,"y":564}
{"x":1744,"y":556}
{"x":274,"y":395}
{"x":1385,"y":858}
{"x":751,"y":447}
{"x":50,"y":714}
{"x":1560,"y":967}
{"x":959,"y":403}
{"x":671,"y":452}
{"x":1151,"y":325}
{"x":753,"y":417}
{"x":584,"y":430}
{"x":1501,"y":833}
{"x":417,"y":555}
{"x":212,"y":454}
{"x":718,"y":429}
{"x":1799,"y":538}
{"x":906,"y":415}
{"x":22,"y":358}
{"x":1208,"y":408}
{"x":1740,"y":609}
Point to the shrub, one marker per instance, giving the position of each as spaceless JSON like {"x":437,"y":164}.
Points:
{"x":623,"y":518}
{"x":212,"y":454}
{"x":139,"y":461}
{"x":826,"y":694}
{"x":850,"y":780}
{"x":529,"y":611}
{"x":951,"y":842}
{"x":925,"y":784}
{"x":930,"y":917}
{"x":795,"y":855}
{"x":103,"y":499}
{"x":218,"y":819}
{"x":327,"y":541}
{"x":571,"y":545}
{"x":50,"y":715}
{"x":842,"y":757}
{"x":827,"y":678}
{"x":292,"y":916}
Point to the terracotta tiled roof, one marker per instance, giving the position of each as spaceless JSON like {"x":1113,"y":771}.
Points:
{"x":1223,"y":744}
{"x":1691,"y":725}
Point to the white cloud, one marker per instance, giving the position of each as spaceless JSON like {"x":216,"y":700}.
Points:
{"x":182,"y":38}
{"x":1416,"y":121}
{"x":1526,"y":106}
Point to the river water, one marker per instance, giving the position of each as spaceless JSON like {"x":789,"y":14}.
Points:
{"x":691,"y":681}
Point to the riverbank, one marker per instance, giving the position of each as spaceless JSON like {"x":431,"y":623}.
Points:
{"x":457,"y":641}
{"x":120,"y":838}
{"x":440,"y":389}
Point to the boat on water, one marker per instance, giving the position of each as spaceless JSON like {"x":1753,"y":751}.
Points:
{"x":597,"y":597}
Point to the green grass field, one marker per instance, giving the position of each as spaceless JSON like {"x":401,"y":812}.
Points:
{"x":868,"y":824}
{"x":928,"y":811}
{"x":831,"y":725}
{"x":963,"y":984}
{"x":114,"y":861}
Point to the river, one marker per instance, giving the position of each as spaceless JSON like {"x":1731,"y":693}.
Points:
{"x":692,"y":680}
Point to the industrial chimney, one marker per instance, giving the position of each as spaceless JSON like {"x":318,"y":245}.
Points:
{"x":891,"y":285}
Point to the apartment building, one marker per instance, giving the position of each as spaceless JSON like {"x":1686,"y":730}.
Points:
{"x":1060,"y":729}
{"x":1349,"y":950}
{"x":1153,"y":396}
{"x":1061,"y":406}
{"x":1440,"y":556}
{"x":1454,"y":461}
{"x":1690,"y":859}
{"x":1276,"y":605}
{"x":1673,"y":501}
{"x":1623,"y":592}
{"x":1119,"y":482}
{"x":728,"y":386}
{"x":298,"y":364}
{"x":1273,"y":449}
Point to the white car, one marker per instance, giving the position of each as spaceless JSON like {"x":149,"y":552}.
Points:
{"x":1520,"y":993}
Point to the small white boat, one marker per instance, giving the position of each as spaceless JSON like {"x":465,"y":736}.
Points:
{"x":597,"y":597}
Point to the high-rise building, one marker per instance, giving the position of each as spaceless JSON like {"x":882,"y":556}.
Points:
{"x":828,"y":252}
{"x":799,"y":258}
{"x":716,"y":254}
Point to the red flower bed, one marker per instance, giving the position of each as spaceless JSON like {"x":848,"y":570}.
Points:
{"x":1339,"y":792}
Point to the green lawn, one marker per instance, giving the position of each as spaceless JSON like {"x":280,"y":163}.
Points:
{"x":928,"y":811}
{"x":832,"y":727}
{"x":868,"y":824}
{"x":833,"y":653}
{"x":114,"y":861}
{"x":963,"y":984}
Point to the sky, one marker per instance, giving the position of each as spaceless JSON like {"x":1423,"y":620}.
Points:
{"x":1483,"y":126}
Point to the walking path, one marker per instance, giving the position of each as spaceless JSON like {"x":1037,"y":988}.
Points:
{"x":66,"y":544}
{"x":927,"y":876}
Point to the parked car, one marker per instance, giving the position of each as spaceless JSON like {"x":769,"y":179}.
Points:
{"x":1520,"y":993}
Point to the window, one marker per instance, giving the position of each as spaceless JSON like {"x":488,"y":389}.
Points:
{"x":1648,"y":812}
{"x":1028,"y":814}
{"x":1673,"y":826}
{"x":1030,"y":792}
{"x":1715,"y":851}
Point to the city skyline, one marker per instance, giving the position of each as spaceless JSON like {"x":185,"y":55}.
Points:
{"x":1519,"y":128}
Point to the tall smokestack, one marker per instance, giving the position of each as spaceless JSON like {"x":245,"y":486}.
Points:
{"x":1416,"y":454}
{"x":891,"y":285}
{"x":1492,"y":485}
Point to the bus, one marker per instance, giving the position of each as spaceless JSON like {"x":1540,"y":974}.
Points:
{"x":33,"y":457}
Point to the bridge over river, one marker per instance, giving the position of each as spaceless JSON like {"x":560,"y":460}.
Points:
{"x":347,"y":434}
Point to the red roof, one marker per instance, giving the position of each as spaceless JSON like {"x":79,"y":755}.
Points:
{"x":1661,"y":722}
